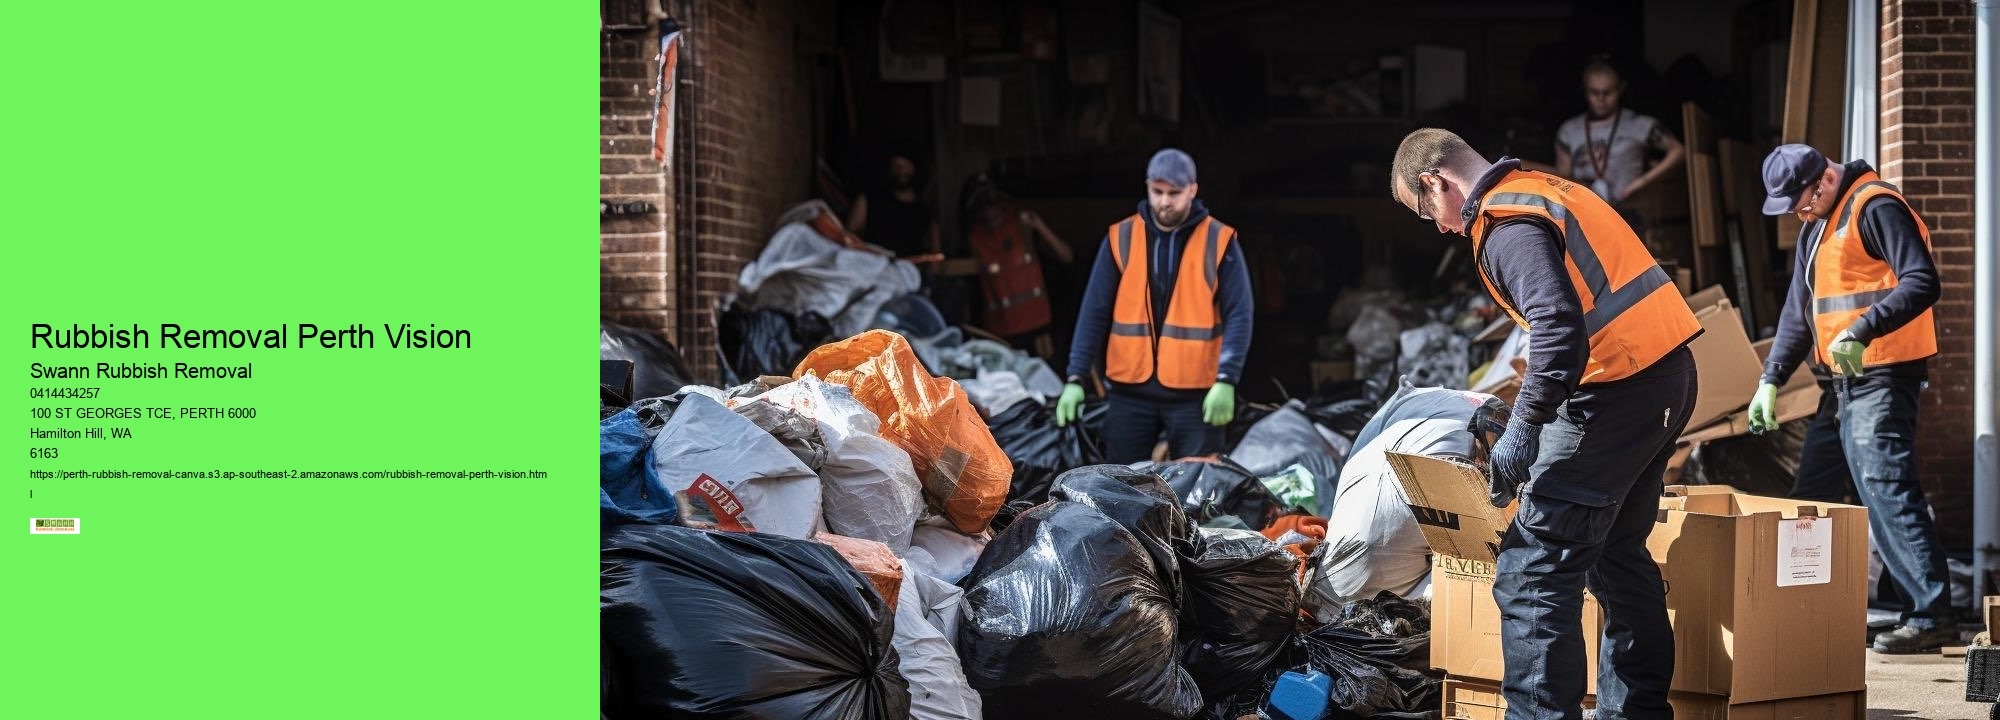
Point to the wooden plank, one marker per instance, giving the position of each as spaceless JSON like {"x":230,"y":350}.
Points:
{"x":1743,"y":193}
{"x":1815,"y":76}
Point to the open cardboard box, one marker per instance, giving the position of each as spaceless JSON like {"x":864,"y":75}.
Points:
{"x":1463,"y":528}
{"x":1768,"y":596}
{"x":1835,"y":706}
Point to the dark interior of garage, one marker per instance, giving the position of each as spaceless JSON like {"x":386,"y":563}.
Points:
{"x":1292,"y":111}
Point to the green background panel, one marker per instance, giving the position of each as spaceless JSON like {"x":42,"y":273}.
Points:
{"x":245,"y":165}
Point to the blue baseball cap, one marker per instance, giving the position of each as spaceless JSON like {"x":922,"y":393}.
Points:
{"x":1788,"y":171}
{"x":1172,"y":167}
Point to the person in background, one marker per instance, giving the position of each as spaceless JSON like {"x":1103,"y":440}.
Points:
{"x":1605,"y":148}
{"x":1860,"y":310}
{"x":1168,"y":313}
{"x":896,"y":218}
{"x":1004,"y":236}
{"x":1607,"y":351}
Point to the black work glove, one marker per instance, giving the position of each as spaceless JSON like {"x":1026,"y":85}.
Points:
{"x":1512,"y":458}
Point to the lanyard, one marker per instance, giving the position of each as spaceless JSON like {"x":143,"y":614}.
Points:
{"x":1600,"y":164}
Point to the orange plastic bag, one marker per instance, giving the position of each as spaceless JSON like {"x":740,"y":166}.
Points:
{"x":873,"y":560}
{"x":964,"y":473}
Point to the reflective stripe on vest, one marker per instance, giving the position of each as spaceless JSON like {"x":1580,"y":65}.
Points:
{"x":1187,"y":351}
{"x":1609,"y":303}
{"x":1632,"y":324}
{"x":1846,"y":281}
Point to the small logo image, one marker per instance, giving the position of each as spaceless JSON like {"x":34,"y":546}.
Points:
{"x":54,"y":526}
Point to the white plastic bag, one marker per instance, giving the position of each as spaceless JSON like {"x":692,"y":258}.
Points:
{"x":994,"y":391}
{"x":800,"y":271}
{"x":926,"y":635}
{"x":952,"y":553}
{"x":722,"y":466}
{"x":870,"y":487}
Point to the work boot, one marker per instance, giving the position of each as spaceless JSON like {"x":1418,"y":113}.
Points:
{"x":1908,"y":640}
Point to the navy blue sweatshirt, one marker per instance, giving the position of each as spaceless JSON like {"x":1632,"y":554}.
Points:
{"x":1525,"y":261}
{"x":1232,"y":299}
{"x":1889,"y":233}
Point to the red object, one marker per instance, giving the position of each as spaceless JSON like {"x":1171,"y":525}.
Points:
{"x":1010,"y":277}
{"x":663,"y":93}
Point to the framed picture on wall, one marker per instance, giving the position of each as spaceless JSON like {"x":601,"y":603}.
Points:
{"x":1159,"y":64}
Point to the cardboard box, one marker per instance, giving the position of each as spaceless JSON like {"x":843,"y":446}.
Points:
{"x":1472,"y":699}
{"x":1798,"y":399}
{"x":1729,"y":366}
{"x":1834,"y":706}
{"x":1463,"y":529}
{"x":1768,"y":596}
{"x":1465,"y":623}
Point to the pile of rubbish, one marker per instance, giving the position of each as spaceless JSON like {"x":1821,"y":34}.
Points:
{"x":1387,"y":337}
{"x":869,"y":538}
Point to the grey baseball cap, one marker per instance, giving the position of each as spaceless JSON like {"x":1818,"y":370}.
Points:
{"x":1172,"y":167}
{"x":1788,"y":171}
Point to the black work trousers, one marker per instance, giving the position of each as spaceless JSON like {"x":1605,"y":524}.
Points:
{"x":1584,"y":517}
{"x":1135,"y":420}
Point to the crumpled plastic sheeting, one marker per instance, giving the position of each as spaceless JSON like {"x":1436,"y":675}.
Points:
{"x":777,"y":493}
{"x":1242,"y":606}
{"x":974,"y":358}
{"x":1064,"y":617}
{"x":1375,"y":336}
{"x":963,"y":471}
{"x":950,"y":554}
{"x":800,"y":271}
{"x":742,"y":625}
{"x":1373,"y":543}
{"x":628,"y":488}
{"x":796,"y":432}
{"x":1286,"y":437}
{"x":1434,"y":356}
{"x":870,"y":489}
{"x":926,"y":629}
{"x":994,"y":391}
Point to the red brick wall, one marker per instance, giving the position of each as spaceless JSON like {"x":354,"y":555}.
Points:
{"x":1927,"y":103}
{"x":636,"y":281}
{"x":747,"y":154}
{"x":753,"y":144}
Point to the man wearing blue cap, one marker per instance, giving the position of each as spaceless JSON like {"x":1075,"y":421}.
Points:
{"x":1167,"y":314}
{"x":1860,"y":309}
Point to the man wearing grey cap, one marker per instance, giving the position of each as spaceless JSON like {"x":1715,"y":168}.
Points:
{"x":1860,"y":309}
{"x":1167,"y":315}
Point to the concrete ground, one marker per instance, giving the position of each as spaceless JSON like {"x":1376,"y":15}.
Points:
{"x":1919,"y":687}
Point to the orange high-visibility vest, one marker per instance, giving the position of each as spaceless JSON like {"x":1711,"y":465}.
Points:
{"x":1010,"y":277}
{"x":1632,"y":312}
{"x":1846,"y":281}
{"x":1188,"y":349}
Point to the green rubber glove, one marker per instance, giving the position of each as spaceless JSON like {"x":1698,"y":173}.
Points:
{"x":1846,"y":352}
{"x":1764,"y":408}
{"x":1070,"y":406}
{"x":1220,"y":406}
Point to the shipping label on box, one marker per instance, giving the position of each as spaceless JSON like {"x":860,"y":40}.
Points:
{"x":1805,"y":551}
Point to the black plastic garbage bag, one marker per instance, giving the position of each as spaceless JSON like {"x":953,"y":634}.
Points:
{"x":704,"y":624}
{"x":629,"y":489}
{"x":1064,"y":617}
{"x":1242,"y":605}
{"x":1144,"y":505}
{"x":767,"y":341}
{"x":1211,"y":488}
{"x":1288,"y":437}
{"x":1346,"y":417}
{"x":1028,"y":435}
{"x":1378,"y":654}
{"x":657,"y":368}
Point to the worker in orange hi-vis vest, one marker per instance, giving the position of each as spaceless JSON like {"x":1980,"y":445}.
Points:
{"x":1167,"y":314}
{"x":1860,"y":310}
{"x":1607,"y":352}
{"x":1004,"y":238}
